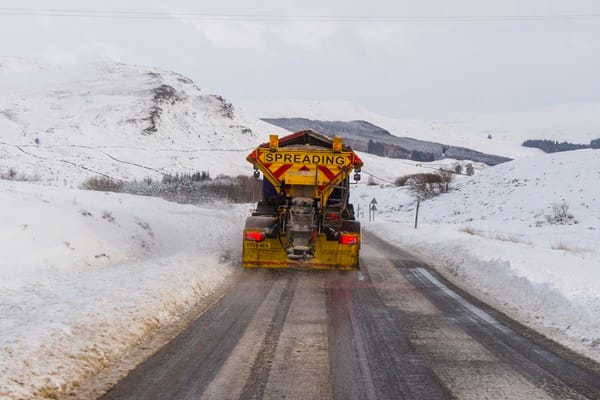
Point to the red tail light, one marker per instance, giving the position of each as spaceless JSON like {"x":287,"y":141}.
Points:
{"x":255,"y":236}
{"x":348,"y":239}
{"x":332,"y":215}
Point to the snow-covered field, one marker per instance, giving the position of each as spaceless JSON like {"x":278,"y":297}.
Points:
{"x":495,"y":235}
{"x":86,"y":275}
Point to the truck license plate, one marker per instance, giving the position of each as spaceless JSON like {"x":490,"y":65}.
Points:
{"x":257,"y":245}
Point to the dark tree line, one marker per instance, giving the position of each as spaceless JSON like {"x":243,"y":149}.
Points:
{"x":554,"y":146}
{"x":392,"y":151}
{"x":187,"y":177}
{"x":376,"y":148}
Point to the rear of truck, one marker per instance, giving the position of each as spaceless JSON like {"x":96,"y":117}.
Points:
{"x":304,"y":220}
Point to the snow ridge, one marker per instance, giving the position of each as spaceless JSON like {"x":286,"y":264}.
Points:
{"x":122,"y":121}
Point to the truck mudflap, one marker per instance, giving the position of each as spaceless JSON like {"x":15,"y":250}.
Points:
{"x":342,"y":253}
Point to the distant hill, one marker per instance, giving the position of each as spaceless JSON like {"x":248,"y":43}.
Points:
{"x":62,"y":125}
{"x":370,"y":138}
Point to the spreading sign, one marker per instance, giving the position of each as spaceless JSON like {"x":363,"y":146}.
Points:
{"x":286,"y":157}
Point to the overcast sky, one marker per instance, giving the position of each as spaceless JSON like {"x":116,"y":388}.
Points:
{"x":405,"y":65}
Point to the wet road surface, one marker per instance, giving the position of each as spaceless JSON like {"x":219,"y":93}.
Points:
{"x":394,"y":330}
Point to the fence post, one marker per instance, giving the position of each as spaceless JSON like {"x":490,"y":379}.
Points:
{"x":417,"y":213}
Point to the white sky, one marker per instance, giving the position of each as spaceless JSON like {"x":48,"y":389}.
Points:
{"x":400,"y":68}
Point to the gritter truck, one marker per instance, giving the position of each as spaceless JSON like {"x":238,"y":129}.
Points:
{"x":304,"y":219}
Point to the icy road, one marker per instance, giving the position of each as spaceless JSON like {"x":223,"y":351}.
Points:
{"x":394,"y":330}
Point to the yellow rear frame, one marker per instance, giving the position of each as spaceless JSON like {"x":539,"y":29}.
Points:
{"x":329,"y":255}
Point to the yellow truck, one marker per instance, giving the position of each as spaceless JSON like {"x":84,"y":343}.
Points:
{"x":304,"y":219}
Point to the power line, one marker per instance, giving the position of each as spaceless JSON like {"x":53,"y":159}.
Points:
{"x":147,"y":15}
{"x":377,"y":177}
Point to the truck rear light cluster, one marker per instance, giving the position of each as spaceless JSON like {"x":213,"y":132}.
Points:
{"x":348,"y":239}
{"x":255,"y":236}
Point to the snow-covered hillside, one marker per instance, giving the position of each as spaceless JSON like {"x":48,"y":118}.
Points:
{"x":499,"y":234}
{"x":62,"y":125}
{"x":577,"y":122}
{"x":86,"y":275}
{"x":574,"y":122}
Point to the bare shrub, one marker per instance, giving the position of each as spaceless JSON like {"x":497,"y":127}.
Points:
{"x":48,"y":392}
{"x":107,"y":215}
{"x":447,"y":177}
{"x":458,"y":168}
{"x":402,"y":180}
{"x":504,"y":237}
{"x":467,"y":229}
{"x":102,"y":184}
{"x":560,"y":215}
{"x":560,"y":246}
{"x":11,"y":174}
{"x":425,"y":186}
{"x":510,"y":237}
{"x":570,"y":248}
{"x":470,"y":170}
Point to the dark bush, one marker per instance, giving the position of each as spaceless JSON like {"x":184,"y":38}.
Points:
{"x":102,"y":184}
{"x":12,"y":175}
{"x":402,"y":180}
{"x":424,"y":186}
{"x":470,"y":169}
{"x":561,"y":215}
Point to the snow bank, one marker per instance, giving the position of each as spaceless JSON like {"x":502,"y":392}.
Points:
{"x":86,"y":275}
{"x":496,"y":236}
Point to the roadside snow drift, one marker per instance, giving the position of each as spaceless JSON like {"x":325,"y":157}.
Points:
{"x":86,"y":275}
{"x":523,"y":236}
